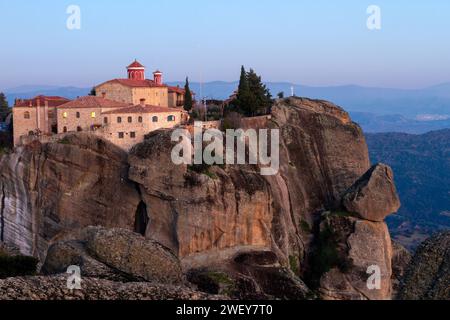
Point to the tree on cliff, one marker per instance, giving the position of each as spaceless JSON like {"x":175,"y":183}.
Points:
{"x":187,"y":96}
{"x":253,"y":97}
{"x":4,"y":108}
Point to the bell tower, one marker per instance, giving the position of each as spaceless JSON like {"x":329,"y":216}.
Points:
{"x":136,"y":71}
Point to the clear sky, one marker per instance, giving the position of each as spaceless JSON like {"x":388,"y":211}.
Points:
{"x":307,"y":42}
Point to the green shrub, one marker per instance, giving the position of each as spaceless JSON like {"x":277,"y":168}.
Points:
{"x":64,"y":140}
{"x":305,"y":226}
{"x":16,"y":266}
{"x":294,"y":265}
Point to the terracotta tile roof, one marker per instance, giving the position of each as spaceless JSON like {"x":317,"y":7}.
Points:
{"x":53,"y":101}
{"x":135,"y":83}
{"x":176,"y":89}
{"x":135,"y":64}
{"x":143,"y":109}
{"x":93,"y":102}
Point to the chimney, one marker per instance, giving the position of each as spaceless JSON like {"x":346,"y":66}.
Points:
{"x":157,"y":77}
{"x":142,"y":102}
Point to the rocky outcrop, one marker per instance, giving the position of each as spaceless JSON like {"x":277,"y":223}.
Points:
{"x":50,"y":188}
{"x":374,"y":195}
{"x":212,"y":214}
{"x":428,"y":275}
{"x":55,"y":288}
{"x":115,"y":254}
{"x":205,"y":215}
{"x":400,"y":261}
{"x":251,"y":275}
{"x":348,"y":248}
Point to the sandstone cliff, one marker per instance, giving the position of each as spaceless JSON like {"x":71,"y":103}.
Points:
{"x":47,"y":189}
{"x":210,"y":216}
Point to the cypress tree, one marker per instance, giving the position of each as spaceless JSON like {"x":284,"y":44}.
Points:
{"x":187,"y":96}
{"x":4,"y":108}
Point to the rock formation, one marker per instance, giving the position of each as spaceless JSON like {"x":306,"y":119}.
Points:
{"x":114,"y":253}
{"x":427,"y":277}
{"x":47,"y":189}
{"x":400,"y":261}
{"x":209,"y":215}
{"x":374,"y":195}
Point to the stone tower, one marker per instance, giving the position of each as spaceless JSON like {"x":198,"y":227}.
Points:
{"x":136,"y":71}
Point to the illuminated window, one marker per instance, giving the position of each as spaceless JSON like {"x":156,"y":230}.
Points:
{"x":64,"y":115}
{"x":92,"y":114}
{"x":26,"y":115}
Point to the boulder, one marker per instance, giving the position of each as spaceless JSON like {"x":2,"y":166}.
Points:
{"x":131,"y":253}
{"x":427,"y":277}
{"x":63,"y":254}
{"x":374,"y":196}
{"x":114,"y":254}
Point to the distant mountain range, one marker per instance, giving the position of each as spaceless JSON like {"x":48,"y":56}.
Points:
{"x":376,"y":109}
{"x":421,"y":164}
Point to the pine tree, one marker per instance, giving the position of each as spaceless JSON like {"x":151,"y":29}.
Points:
{"x":262,"y":99}
{"x":188,"y":103}
{"x":92,"y":93}
{"x":4,"y":108}
{"x":253,"y":97}
{"x":244,"y":97}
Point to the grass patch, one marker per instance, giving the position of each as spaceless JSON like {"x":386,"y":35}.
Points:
{"x":305,"y":226}
{"x":294,"y":265}
{"x":17,"y":266}
{"x":64,"y":140}
{"x":203,"y":169}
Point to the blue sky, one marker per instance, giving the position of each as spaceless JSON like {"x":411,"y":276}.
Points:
{"x":315,"y":43}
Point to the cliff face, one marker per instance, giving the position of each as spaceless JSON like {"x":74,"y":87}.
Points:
{"x":51,"y":188}
{"x":207,"y":215}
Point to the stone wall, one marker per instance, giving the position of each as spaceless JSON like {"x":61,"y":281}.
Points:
{"x":112,"y":129}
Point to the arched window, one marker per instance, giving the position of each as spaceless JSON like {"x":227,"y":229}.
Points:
{"x":78,"y":115}
{"x":140,"y":119}
{"x":79,"y":129}
{"x":130,"y":119}
{"x":119,"y":119}
{"x":155,"y":119}
{"x":65,"y":129}
{"x":26,"y":115}
{"x":171,"y":118}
